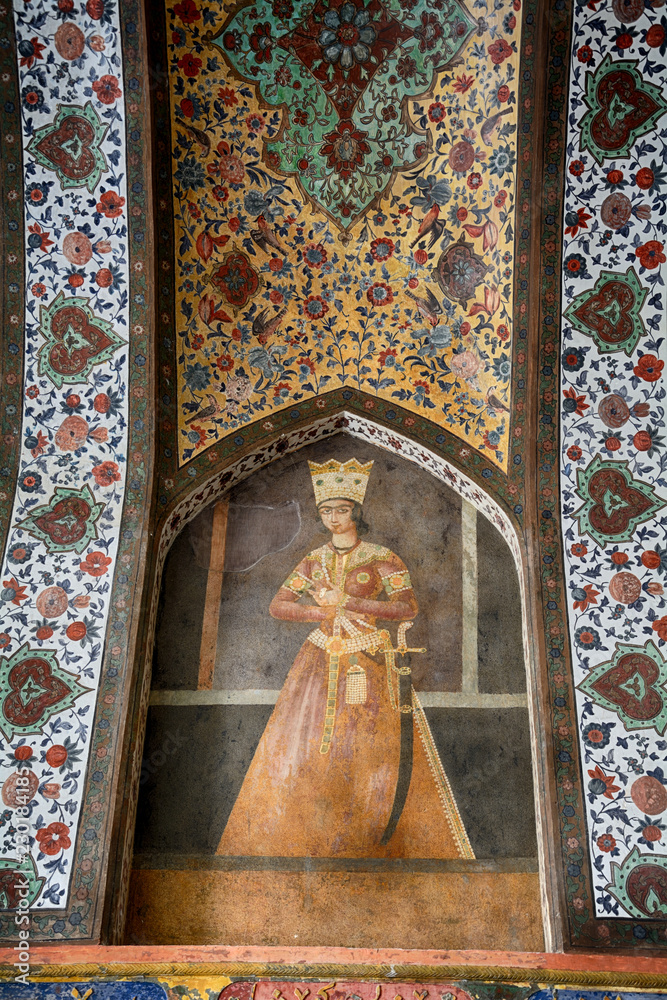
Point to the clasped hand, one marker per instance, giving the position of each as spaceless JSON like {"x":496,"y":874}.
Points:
{"x":329,"y":598}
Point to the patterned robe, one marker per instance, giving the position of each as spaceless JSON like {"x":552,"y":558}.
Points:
{"x":323,"y":778}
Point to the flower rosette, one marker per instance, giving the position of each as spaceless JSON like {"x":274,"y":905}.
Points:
{"x":384,"y":55}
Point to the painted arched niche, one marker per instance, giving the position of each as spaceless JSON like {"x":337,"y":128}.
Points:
{"x":220,"y":662}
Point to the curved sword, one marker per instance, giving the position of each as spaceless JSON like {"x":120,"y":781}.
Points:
{"x":402,"y":702}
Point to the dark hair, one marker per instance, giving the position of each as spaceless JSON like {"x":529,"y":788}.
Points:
{"x":357,"y":515}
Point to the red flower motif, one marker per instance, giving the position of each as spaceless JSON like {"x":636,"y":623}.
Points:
{"x":389,"y":352}
{"x":581,"y":223}
{"x":314,"y":307}
{"x":499,"y":51}
{"x":580,"y":401}
{"x":190,"y":65}
{"x":76,"y":631}
{"x":53,"y":838}
{"x":463,"y":83}
{"x":44,"y":236}
{"x":650,"y":254}
{"x":599,"y":775}
{"x":106,"y":89}
{"x":660,"y":626}
{"x":652,"y":832}
{"x":314,"y":255}
{"x":474,"y":181}
{"x":187,"y":11}
{"x":37,"y":49}
{"x":429,"y":31}
{"x":606,"y":842}
{"x":591,"y":598}
{"x":380,"y":294}
{"x":261,"y":42}
{"x":229,"y":167}
{"x":106,"y":474}
{"x":649,"y":368}
{"x":225,"y":362}
{"x":209,"y":311}
{"x":110,"y":205}
{"x":579,"y":550}
{"x":383,"y":248}
{"x":14,"y":592}
{"x":574,"y":452}
{"x":95,"y":563}
{"x":56,"y":755}
{"x":228,"y":97}
{"x":651,"y":559}
{"x":236,"y":279}
{"x":577,"y":168}
{"x":644,"y":178}
{"x":345,"y":148}
{"x":585,"y":54}
{"x":203,"y":434}
{"x":436,"y":112}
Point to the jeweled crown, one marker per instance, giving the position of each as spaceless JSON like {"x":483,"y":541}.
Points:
{"x":340,"y":479}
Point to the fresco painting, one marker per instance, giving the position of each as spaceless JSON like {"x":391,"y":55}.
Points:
{"x":337,"y":708}
{"x":344,"y":202}
{"x":336,"y":751}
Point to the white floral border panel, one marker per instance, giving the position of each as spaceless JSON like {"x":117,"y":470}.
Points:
{"x":63,"y":538}
{"x":613,"y":452}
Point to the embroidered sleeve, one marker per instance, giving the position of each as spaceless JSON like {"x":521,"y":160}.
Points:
{"x":396,"y":581}
{"x":298,"y":582}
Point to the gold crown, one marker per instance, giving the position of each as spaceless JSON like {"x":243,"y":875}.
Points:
{"x":340,"y":479}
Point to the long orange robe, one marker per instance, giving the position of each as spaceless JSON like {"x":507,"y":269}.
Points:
{"x":327,"y":793}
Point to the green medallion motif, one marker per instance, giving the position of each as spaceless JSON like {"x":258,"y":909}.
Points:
{"x":622,"y":107}
{"x":68,"y":522}
{"x":614,"y":502}
{"x":18,"y":874}
{"x":631,"y":684}
{"x":639,"y":884}
{"x":328,"y":64}
{"x":33,"y":687}
{"x":76,"y":340}
{"x":610,"y":312}
{"x":70,"y":145}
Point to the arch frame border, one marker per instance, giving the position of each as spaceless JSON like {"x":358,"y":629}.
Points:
{"x":216,"y":486}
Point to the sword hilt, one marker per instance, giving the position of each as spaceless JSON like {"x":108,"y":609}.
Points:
{"x":401,"y":647}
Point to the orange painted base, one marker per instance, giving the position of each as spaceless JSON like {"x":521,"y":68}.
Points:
{"x":451,"y":910}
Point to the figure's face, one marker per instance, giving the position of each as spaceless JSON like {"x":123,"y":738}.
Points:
{"x":337,"y":516}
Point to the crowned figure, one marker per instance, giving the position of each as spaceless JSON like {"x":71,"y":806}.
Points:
{"x":346,"y":767}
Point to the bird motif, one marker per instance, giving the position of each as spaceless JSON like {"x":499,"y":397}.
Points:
{"x":431,"y":225}
{"x":263,"y":327}
{"x":200,"y":137}
{"x":206,"y":411}
{"x":495,"y":402}
{"x":265,"y":237}
{"x":490,"y":125}
{"x":429,"y":307}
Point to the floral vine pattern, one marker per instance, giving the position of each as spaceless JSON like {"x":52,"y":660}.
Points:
{"x":613,"y":453}
{"x":344,"y":200}
{"x":65,"y":524}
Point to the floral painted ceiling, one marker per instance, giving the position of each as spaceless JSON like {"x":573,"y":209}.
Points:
{"x":343,"y":187}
